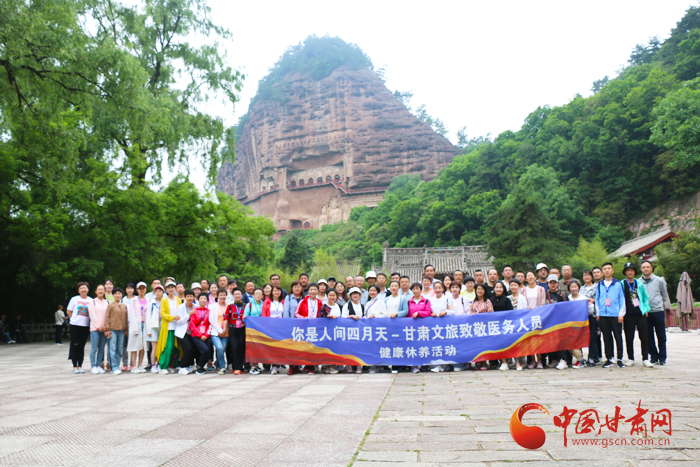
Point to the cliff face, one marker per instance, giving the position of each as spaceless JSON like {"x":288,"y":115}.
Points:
{"x":680,"y":214}
{"x":323,"y":147}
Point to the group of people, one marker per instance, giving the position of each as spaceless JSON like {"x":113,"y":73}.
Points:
{"x":175,"y":329}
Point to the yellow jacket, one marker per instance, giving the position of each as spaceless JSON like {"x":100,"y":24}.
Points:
{"x":167,"y":318}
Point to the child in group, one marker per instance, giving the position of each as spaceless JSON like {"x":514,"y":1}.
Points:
{"x":153,"y":325}
{"x":418,"y":307}
{"x":469,"y":293}
{"x":355,"y":310}
{"x":200,"y":330}
{"x":219,"y":328}
{"x":116,"y":324}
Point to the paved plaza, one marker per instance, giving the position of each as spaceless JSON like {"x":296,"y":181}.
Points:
{"x":48,"y":416}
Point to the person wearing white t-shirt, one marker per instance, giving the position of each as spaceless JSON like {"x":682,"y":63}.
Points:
{"x":457,"y":305}
{"x":519,"y":302}
{"x":438,"y":305}
{"x":78,"y":312}
{"x":393,"y":299}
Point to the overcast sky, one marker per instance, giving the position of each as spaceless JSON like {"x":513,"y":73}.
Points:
{"x":483,"y":65}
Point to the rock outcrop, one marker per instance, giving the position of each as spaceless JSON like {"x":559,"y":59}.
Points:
{"x":320,"y":148}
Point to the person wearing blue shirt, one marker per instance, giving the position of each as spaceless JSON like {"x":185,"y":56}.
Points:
{"x":610,"y":301}
{"x":291,"y":303}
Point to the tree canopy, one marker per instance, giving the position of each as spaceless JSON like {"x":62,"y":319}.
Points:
{"x":89,"y":116}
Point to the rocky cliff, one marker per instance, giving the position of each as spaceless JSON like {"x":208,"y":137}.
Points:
{"x":318,"y":148}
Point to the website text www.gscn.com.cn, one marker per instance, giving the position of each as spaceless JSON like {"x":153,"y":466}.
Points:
{"x":605,"y":443}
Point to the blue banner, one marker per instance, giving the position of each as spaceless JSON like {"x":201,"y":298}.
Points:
{"x":418,"y":341}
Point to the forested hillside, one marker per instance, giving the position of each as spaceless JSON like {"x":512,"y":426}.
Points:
{"x":582,"y":170}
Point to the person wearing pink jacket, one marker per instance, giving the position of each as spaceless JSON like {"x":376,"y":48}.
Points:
{"x":418,"y":307}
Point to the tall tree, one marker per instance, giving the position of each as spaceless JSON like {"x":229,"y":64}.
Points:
{"x":162,"y":120}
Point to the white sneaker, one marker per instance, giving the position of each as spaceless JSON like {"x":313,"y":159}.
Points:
{"x":628,"y":362}
{"x":457,"y":368}
{"x":95,"y":371}
{"x":273,"y":370}
{"x":75,"y":371}
{"x":164,"y":372}
{"x":372,"y":370}
{"x":154,"y":369}
{"x":415,"y":369}
{"x":81,"y":371}
{"x":503,"y":367}
{"x":135,"y":370}
{"x":359,"y":370}
{"x":562,"y":365}
{"x":117,"y":372}
{"x":333,"y":370}
{"x":518,"y":367}
{"x":101,"y":370}
{"x":183,"y":371}
{"x":648,"y":364}
{"x":435,"y":369}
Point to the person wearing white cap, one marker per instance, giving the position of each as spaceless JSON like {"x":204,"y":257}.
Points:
{"x":355,"y":310}
{"x":322,"y":289}
{"x":196,"y":288}
{"x":137,"y":327}
{"x":167,"y":344}
{"x":542,"y":272}
{"x":554,"y":295}
{"x":151,"y":295}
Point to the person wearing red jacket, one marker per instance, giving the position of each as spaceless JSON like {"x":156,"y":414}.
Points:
{"x":310,"y":305}
{"x":200,"y":328}
{"x":309,"y":308}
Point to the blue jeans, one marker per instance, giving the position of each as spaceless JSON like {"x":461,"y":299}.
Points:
{"x":116,"y":341}
{"x":98,"y":340}
{"x":220,"y":346}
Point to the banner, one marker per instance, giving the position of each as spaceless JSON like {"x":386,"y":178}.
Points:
{"x":419,"y":341}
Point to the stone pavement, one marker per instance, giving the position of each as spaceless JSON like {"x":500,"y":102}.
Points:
{"x":447,"y":418}
{"x":48,"y":416}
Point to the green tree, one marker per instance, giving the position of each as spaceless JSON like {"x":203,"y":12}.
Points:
{"x":678,"y":124}
{"x":522,"y":234}
{"x":296,"y":254}
{"x":158,"y":120}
